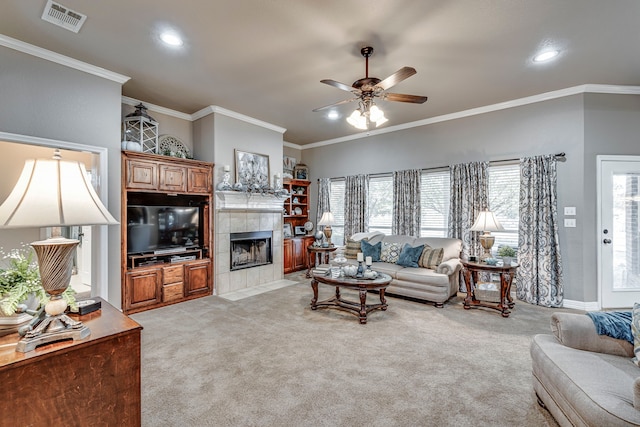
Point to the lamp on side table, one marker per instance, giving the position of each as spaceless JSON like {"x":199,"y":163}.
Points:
{"x":486,"y":222}
{"x":53,"y":193}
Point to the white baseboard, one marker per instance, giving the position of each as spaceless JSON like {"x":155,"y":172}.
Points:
{"x":581,"y":305}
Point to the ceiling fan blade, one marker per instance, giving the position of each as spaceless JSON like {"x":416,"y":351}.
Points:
{"x":397,"y":77}
{"x":337,"y":103}
{"x":401,"y":97}
{"x":341,"y":86}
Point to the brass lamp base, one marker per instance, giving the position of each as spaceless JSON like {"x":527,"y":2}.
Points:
{"x":327,"y":233}
{"x":63,"y":330}
{"x":55,"y":261}
{"x":487,"y":241}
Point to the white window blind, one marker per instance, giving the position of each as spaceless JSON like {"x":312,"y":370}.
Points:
{"x":504,"y":199}
{"x":380,"y":203}
{"x":434,"y":203}
{"x":336,"y":200}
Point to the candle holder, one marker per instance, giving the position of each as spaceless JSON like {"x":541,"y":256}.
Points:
{"x":360,"y":271}
{"x":368,"y":263}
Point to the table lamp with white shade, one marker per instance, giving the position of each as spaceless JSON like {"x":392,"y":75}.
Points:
{"x":53,"y":193}
{"x":327,"y":221}
{"x":486,"y":222}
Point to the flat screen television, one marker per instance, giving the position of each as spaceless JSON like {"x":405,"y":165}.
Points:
{"x":153,"y":229}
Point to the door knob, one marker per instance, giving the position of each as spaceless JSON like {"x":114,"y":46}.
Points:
{"x":606,"y":241}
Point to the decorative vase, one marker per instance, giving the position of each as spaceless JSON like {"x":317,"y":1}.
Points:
{"x":507,"y":260}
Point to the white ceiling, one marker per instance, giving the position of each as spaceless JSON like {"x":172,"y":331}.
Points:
{"x":265,"y":58}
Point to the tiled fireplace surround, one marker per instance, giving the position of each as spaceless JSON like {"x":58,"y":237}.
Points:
{"x":238,"y":212}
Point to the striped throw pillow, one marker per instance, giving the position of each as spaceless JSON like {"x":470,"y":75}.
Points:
{"x":351,"y":249}
{"x":431,"y":257}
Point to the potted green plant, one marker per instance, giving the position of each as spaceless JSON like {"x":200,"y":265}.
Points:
{"x":20,"y":282}
{"x":507,"y":253}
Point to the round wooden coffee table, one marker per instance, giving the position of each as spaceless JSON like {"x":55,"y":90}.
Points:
{"x":361,"y":308}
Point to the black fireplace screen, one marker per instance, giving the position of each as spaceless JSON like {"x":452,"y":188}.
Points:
{"x":250,"y":249}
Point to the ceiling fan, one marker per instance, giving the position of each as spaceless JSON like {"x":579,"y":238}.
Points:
{"x":368,"y":88}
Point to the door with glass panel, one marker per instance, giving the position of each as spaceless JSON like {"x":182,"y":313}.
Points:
{"x":619,"y":231}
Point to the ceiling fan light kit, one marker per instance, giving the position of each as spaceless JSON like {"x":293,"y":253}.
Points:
{"x":368,"y":88}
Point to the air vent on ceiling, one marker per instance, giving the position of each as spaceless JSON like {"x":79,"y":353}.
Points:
{"x":63,"y":17}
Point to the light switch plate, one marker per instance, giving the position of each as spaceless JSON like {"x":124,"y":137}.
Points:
{"x":569,"y":210}
{"x":569,"y":222}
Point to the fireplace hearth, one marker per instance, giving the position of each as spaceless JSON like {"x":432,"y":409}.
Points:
{"x":250,"y":249}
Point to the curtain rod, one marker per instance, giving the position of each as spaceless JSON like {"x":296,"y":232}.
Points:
{"x":561,"y":157}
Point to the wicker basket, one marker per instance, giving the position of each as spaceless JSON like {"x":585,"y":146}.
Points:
{"x":488,"y":291}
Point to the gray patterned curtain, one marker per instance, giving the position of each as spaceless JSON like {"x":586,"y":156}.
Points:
{"x":469,"y":188}
{"x":356,"y":206}
{"x":323,"y":198}
{"x":406,"y":203}
{"x":539,"y":277}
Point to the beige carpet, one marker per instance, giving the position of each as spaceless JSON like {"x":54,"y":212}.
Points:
{"x":269,"y":360}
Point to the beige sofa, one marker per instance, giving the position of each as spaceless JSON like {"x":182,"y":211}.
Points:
{"x":434,"y":285}
{"x":585,"y":379}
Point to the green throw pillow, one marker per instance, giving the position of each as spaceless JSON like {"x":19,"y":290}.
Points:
{"x":410,"y":255}
{"x":635,"y":331}
{"x":352,"y":248}
{"x":390,"y":252}
{"x":370,"y":250}
{"x":431,"y":257}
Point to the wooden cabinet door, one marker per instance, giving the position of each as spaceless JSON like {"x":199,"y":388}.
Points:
{"x":299,"y":254}
{"x":173,"y":178}
{"x":143,"y":287}
{"x":197,"y":278}
{"x":199,"y":180}
{"x":288,"y":256}
{"x":142,"y":175}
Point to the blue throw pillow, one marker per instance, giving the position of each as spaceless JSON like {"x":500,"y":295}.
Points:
{"x":409,"y":256}
{"x":371,"y":250}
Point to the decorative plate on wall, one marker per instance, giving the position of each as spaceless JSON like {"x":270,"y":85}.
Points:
{"x":172,"y":146}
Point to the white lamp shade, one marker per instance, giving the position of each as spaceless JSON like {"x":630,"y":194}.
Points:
{"x":486,"y":221}
{"x":327,"y":219}
{"x":53,"y":193}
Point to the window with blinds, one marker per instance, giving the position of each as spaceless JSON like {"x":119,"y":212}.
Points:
{"x":504,"y":199}
{"x":380,"y":203}
{"x":434,"y":203}
{"x":336,"y":201}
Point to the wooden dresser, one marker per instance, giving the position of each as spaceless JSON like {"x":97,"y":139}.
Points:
{"x":94,"y":381}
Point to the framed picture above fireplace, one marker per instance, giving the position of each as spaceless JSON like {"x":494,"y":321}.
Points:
{"x":252,"y":169}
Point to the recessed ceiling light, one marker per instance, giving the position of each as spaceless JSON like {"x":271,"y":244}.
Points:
{"x":333,"y":115}
{"x":546,"y":55}
{"x":172,"y":39}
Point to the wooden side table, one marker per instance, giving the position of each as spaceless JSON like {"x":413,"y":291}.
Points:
{"x":470,"y":271}
{"x":318,"y":255}
{"x":95,"y":380}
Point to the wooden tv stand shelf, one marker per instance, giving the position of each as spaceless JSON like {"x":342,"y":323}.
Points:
{"x":92,"y":381}
{"x":151,"y":280}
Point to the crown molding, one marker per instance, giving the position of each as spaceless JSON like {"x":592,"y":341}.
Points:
{"x":292,"y":145}
{"x":158,"y":109}
{"x":219,"y":110}
{"x":575,"y":90}
{"x":48,"y":55}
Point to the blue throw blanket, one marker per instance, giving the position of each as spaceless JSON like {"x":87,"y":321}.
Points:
{"x":616,"y":324}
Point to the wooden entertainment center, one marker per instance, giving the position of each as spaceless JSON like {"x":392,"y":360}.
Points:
{"x":154,"y":278}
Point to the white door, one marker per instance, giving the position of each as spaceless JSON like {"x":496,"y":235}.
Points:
{"x":619,"y":231}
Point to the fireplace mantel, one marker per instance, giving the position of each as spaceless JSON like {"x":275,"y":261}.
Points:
{"x":239,"y":200}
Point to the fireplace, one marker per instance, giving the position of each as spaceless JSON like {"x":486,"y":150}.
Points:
{"x":250,"y":249}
